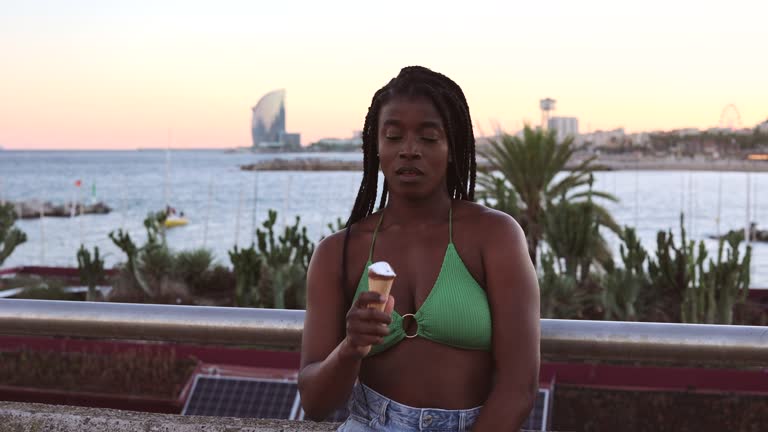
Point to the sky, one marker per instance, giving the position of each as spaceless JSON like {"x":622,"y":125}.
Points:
{"x":109,"y":74}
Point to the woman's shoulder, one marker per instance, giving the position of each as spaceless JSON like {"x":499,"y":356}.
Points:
{"x":483,"y":218}
{"x":334,"y":243}
{"x":488,"y":224}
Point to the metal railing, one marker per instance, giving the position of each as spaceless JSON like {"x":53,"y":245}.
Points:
{"x":598,"y":340}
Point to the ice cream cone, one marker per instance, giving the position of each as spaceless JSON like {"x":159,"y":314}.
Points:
{"x":380,"y":280}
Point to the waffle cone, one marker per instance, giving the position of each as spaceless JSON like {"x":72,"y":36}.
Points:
{"x":381,"y":286}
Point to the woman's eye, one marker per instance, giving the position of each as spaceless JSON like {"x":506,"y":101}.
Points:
{"x":430,"y":134}
{"x":392,"y":134}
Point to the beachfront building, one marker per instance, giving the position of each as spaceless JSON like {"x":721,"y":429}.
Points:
{"x":564,"y":126}
{"x":340,"y":144}
{"x":611,"y":139}
{"x":268,"y":124}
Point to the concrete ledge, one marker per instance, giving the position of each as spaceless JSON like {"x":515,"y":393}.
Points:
{"x":29,"y":417}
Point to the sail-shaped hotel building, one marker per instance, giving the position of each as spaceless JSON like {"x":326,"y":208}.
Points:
{"x":268,"y":124}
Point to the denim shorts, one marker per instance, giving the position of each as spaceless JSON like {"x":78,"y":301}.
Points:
{"x":370,"y":411}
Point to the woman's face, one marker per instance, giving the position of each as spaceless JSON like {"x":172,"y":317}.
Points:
{"x":413,"y":147}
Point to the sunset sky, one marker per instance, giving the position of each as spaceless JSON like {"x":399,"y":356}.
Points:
{"x":127,"y":74}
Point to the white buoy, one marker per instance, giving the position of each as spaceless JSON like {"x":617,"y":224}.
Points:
{"x":207,"y":211}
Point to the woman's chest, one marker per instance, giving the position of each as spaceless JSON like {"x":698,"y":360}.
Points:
{"x":423,"y":262}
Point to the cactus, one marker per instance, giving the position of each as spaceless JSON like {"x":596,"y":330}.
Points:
{"x":152,"y":262}
{"x":634,"y":255}
{"x":155,"y":226}
{"x":91,"y":270}
{"x":621,"y":288}
{"x":292,"y":246}
{"x":724,"y":284}
{"x":695,"y":301}
{"x":337,"y":225}
{"x":560,"y":296}
{"x":10,"y":236}
{"x":704,"y":294}
{"x":247,"y":267}
{"x":285,"y":262}
{"x":123,"y":241}
{"x":670,"y":272}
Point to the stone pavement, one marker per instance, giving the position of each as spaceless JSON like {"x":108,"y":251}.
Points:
{"x":30,"y":417}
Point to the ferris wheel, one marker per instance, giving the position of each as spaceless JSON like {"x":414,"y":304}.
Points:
{"x":730,"y":118}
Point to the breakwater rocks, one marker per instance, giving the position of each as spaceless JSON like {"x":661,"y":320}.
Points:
{"x":601,"y":164}
{"x":304,"y":164}
{"x":32,"y":209}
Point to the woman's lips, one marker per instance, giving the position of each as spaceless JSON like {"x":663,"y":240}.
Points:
{"x":409,"y":172}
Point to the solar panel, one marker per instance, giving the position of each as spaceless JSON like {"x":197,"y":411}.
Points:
{"x":242,"y":397}
{"x":222,"y":396}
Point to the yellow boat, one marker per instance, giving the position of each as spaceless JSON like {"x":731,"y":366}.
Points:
{"x":175,"y":222}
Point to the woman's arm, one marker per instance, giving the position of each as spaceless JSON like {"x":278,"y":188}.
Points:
{"x":513,"y":294}
{"x":332,"y":349}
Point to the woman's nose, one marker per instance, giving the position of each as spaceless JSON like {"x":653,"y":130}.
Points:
{"x":410,"y":149}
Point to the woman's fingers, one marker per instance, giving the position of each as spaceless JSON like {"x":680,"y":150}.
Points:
{"x":367,"y":328}
{"x":369,"y":299}
{"x":366,"y":325}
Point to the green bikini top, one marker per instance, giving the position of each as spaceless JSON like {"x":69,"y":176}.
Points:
{"x":455,"y":313}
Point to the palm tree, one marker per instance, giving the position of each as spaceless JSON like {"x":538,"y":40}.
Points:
{"x":528,"y":167}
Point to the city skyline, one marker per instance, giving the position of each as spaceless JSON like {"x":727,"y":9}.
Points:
{"x":111,"y":75}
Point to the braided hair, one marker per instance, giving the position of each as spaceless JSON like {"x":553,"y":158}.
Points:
{"x":449,"y":100}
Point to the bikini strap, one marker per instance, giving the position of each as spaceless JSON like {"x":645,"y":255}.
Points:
{"x":450,"y":224}
{"x":373,"y":241}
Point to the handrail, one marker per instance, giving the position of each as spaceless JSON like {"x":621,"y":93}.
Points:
{"x":172,"y":323}
{"x":736,"y":345}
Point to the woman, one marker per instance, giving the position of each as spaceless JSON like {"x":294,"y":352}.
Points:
{"x":457,"y":346}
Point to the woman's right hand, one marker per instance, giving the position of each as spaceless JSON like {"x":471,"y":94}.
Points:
{"x":366,"y":325}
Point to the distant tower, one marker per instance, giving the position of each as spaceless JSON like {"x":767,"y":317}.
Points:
{"x":268,"y":120}
{"x":546,"y":106}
